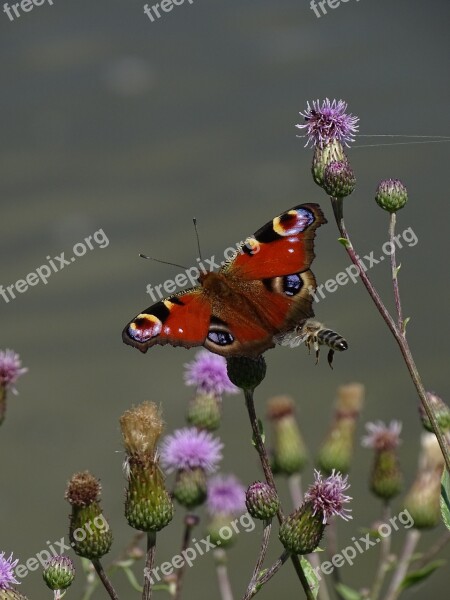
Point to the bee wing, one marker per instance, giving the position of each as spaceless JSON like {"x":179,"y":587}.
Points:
{"x":292,"y":338}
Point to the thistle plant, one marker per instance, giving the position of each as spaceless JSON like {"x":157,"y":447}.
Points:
{"x":182,"y":470}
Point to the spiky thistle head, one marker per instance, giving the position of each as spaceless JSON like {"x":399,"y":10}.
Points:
{"x":327,"y":121}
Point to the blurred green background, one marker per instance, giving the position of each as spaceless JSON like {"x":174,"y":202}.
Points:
{"x":111,"y":121}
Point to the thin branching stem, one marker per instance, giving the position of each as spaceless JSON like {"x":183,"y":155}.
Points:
{"x":395,"y":588}
{"x":104,"y":579}
{"x":261,"y":581}
{"x":261,"y":555}
{"x":394,"y":271}
{"x":433,"y":551}
{"x":190,"y":521}
{"x":398,"y":334}
{"x":383,"y":565}
{"x":149,"y":562}
{"x":261,"y":449}
{"x":220,"y":558}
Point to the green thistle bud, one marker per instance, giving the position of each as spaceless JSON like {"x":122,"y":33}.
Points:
{"x":441,"y":411}
{"x":301,"y":532}
{"x":190,"y":488}
{"x":148,"y":506}
{"x":391,"y":195}
{"x":204,"y":412}
{"x":386,"y":479}
{"x":262,"y":501}
{"x":220,"y":531}
{"x":59,"y":573}
{"x":289,"y":453}
{"x":11,"y":594}
{"x":423,"y":499}
{"x":246,"y":373}
{"x":323,"y":156}
{"x":89,"y":531}
{"x":339,"y":180}
{"x":336,"y":451}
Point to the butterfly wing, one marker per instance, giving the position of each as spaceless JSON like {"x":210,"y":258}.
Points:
{"x":277,"y":260}
{"x":180,"y":320}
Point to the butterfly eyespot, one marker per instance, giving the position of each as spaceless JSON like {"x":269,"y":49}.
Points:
{"x":293,"y":222}
{"x":221,"y":338}
{"x":292,"y":284}
{"x":144,"y":328}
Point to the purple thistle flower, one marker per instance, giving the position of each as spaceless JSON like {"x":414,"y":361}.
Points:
{"x":10,"y":369}
{"x":327,"y":496}
{"x":328,"y":121}
{"x":189,"y":448}
{"x":226,"y":496}
{"x":381,"y":436}
{"x":7,"y":566}
{"x":208,"y":372}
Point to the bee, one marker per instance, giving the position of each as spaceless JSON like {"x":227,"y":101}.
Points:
{"x":314,"y":334}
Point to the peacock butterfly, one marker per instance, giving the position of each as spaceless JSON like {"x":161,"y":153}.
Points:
{"x":263,"y":291}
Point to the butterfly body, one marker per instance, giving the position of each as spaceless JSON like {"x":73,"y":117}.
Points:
{"x":263,"y":290}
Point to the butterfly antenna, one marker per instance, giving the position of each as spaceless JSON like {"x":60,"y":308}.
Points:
{"x":164,"y":262}
{"x":194,"y":220}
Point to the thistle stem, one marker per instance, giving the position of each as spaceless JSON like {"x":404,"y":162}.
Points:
{"x":411,"y":541}
{"x":383,"y":565}
{"x":104,"y":579}
{"x":2,"y":403}
{"x":337,"y":205}
{"x":261,"y":555}
{"x":394,"y":270}
{"x":190,"y":521}
{"x":220,"y":557}
{"x":261,"y":449}
{"x":151,"y":548}
{"x":259,"y":583}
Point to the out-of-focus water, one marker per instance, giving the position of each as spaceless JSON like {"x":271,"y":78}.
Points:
{"x":112,"y":122}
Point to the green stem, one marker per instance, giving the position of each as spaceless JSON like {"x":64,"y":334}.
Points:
{"x":383,"y":565}
{"x":104,"y":579}
{"x":396,"y":332}
{"x":395,"y":588}
{"x":220,"y":558}
{"x":259,"y":583}
{"x":151,"y":548}
{"x":261,"y":449}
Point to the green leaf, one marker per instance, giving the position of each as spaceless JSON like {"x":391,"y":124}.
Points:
{"x":397,"y":269}
{"x":445,"y":498}
{"x":344,"y":242}
{"x":418,"y":576}
{"x":348,"y":593}
{"x":405,"y":322}
{"x":311,"y":576}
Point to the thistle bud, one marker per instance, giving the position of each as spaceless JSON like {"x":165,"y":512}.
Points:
{"x":386,"y":480}
{"x":59,"y":573}
{"x":246,"y":373}
{"x":339,"y":180}
{"x":89,"y":531}
{"x":323,"y":156}
{"x":226,"y":501}
{"x":262,"y":501}
{"x":289,"y":453}
{"x":190,"y":488}
{"x":391,"y":195}
{"x":148,"y":506}
{"x":441,"y":411}
{"x":336,"y":451}
{"x":301,"y":531}
{"x":204,"y":411}
{"x":423,"y":498}
{"x":220,"y":531}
